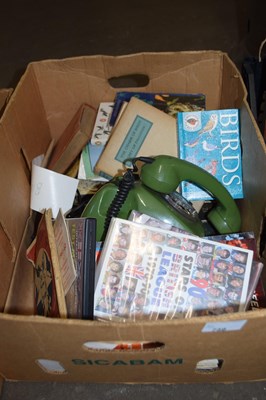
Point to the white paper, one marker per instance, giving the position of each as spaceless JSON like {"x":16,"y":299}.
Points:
{"x":50,"y":189}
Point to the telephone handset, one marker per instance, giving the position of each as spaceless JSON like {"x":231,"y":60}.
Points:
{"x":159,"y":177}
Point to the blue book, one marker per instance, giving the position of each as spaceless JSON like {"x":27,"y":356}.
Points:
{"x":171,"y":103}
{"x":211,"y":140}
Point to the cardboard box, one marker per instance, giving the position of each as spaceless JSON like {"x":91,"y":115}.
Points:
{"x":4,"y":97}
{"x":44,"y":349}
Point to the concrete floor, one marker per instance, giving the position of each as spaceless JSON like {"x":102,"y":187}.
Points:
{"x":34,"y":30}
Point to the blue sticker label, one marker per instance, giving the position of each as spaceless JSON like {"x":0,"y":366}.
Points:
{"x":134,"y":139}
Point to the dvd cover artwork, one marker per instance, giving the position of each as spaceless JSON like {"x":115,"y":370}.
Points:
{"x":146,"y":219}
{"x":246,"y":240}
{"x":152,"y":273}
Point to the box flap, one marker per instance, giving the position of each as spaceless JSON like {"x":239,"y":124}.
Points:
{"x":65,"y":84}
{"x":4,"y":98}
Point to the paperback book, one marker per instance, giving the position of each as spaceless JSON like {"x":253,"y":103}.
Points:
{"x":171,"y":103}
{"x":49,"y":290}
{"x":211,"y":140}
{"x":151,"y":273}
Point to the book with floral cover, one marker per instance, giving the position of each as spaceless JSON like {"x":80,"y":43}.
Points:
{"x":153,"y":273}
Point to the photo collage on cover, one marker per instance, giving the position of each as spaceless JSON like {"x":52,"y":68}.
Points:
{"x":124,"y":290}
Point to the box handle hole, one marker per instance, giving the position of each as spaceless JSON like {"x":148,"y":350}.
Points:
{"x":51,"y":366}
{"x":129,"y":81}
{"x":123,"y":346}
{"x":209,"y":366}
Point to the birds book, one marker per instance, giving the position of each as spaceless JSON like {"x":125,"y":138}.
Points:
{"x":211,"y":140}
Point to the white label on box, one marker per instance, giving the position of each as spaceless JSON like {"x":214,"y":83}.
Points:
{"x":225,"y":326}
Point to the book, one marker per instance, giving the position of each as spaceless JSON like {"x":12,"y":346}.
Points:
{"x":79,"y":300}
{"x":73,"y":139}
{"x":171,"y":103}
{"x":211,"y":140}
{"x":88,"y":159}
{"x":152,"y":273}
{"x":64,"y":252}
{"x":142,"y":130}
{"x":49,"y":290}
{"x":102,"y":128}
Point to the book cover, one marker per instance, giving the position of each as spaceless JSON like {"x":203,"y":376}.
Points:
{"x":102,"y":128}
{"x":64,"y":252}
{"x":88,"y":159}
{"x":211,"y":140}
{"x":152,"y":273}
{"x":171,"y":103}
{"x":73,"y":139}
{"x":142,"y":130}
{"x":49,"y":291}
{"x":80,"y":297}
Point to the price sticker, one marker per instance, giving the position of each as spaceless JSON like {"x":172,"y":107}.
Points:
{"x":225,"y":326}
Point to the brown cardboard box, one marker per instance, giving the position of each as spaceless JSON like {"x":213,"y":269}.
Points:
{"x":40,"y":109}
{"x":4,"y":97}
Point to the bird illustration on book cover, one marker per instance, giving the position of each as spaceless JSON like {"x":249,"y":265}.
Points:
{"x":211,"y":140}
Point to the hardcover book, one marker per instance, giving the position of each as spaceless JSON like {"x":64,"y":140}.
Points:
{"x":73,"y":139}
{"x":49,"y":291}
{"x":211,"y":140}
{"x":171,"y":103}
{"x":142,"y":130}
{"x":152,"y":273}
{"x":79,"y":300}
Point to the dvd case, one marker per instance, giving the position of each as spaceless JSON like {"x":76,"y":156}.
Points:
{"x":146,"y":272}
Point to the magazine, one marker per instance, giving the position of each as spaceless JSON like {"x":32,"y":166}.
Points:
{"x":153,"y":273}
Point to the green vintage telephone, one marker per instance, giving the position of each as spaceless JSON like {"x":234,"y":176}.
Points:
{"x":153,"y":192}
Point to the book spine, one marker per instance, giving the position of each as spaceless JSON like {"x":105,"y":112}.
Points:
{"x":56,"y":269}
{"x":89,"y":269}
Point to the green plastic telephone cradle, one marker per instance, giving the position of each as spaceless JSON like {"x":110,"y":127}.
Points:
{"x":161,"y":175}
